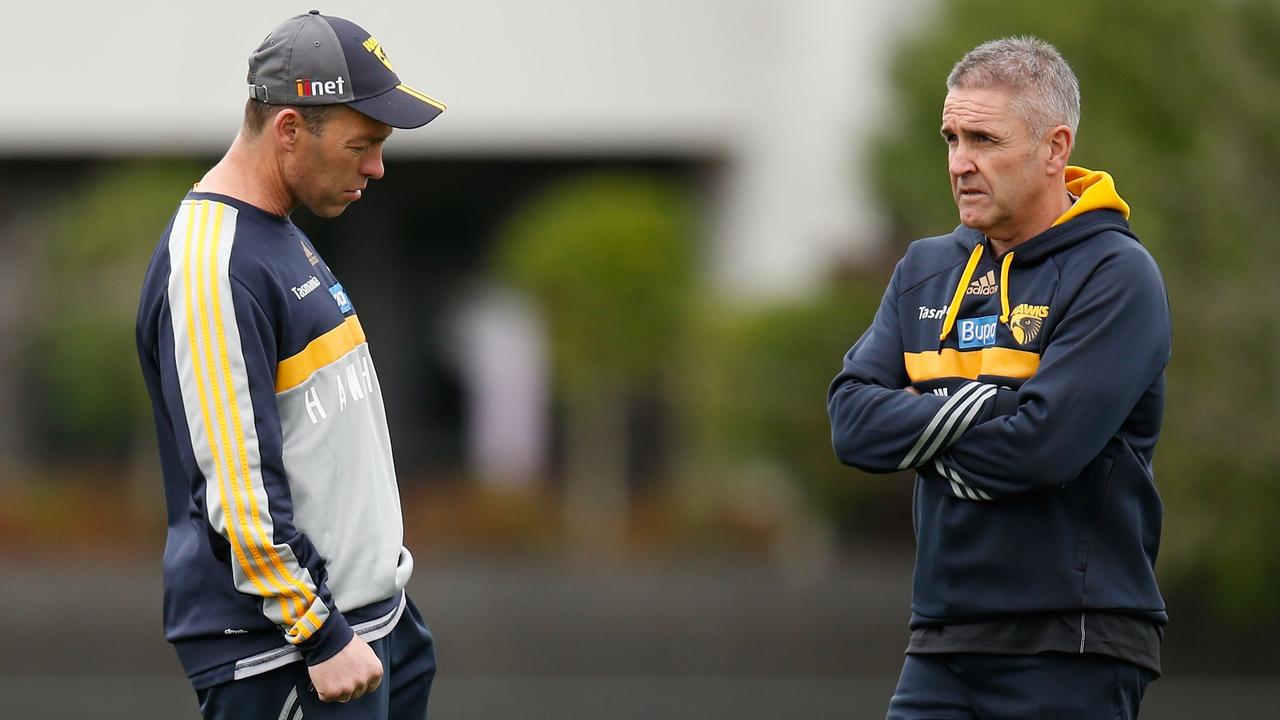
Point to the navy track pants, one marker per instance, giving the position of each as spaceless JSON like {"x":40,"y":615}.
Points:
{"x":408,"y":667}
{"x":1047,"y":686}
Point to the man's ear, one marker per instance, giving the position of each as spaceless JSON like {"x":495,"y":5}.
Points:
{"x":286,"y":127}
{"x":1060,"y":141}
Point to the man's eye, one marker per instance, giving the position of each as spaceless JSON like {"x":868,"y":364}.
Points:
{"x":358,"y":148}
{"x":982,"y":138}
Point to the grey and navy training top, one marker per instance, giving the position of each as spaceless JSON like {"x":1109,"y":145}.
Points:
{"x":1042,"y":381}
{"x":284,"y":516}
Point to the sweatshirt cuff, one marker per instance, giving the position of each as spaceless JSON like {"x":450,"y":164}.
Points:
{"x":326,"y":642}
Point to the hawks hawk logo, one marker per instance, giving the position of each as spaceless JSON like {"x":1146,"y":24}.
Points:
{"x":375,"y":47}
{"x":1026,"y":320}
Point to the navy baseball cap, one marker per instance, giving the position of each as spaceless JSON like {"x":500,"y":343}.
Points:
{"x":316,"y":59}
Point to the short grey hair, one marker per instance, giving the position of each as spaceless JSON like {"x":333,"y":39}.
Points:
{"x":1045,"y":92}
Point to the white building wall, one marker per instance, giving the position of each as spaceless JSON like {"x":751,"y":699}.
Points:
{"x":784,"y":91}
{"x":799,"y":196}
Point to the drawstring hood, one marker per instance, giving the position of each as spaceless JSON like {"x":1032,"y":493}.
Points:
{"x":1096,"y":190}
{"x":954,"y":308}
{"x":1004,"y":287}
{"x":1096,"y":197}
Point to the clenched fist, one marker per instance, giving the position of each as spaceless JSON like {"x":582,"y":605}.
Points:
{"x":354,"y":671}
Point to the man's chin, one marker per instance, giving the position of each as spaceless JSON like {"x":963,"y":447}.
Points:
{"x":973,"y":222}
{"x":328,"y":211}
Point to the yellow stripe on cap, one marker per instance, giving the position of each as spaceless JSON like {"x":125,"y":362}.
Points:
{"x":293,"y":371}
{"x":422,"y":96}
{"x":949,"y":363}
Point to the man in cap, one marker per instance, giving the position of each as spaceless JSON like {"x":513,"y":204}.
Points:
{"x":284,"y":567}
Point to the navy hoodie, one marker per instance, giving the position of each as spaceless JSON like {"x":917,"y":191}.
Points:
{"x":1042,"y":381}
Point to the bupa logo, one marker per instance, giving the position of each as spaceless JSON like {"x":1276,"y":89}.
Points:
{"x":978,"y":332}
{"x":1026,"y":320}
{"x":307,"y":87}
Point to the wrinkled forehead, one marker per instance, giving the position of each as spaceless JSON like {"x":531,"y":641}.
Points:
{"x":979,"y":103}
{"x":991,"y":106}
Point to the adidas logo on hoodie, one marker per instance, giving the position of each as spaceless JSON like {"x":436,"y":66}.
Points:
{"x":985,"y":285}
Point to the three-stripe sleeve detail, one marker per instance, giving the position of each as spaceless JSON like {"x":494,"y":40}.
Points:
{"x":959,"y":487}
{"x":234,"y":446}
{"x":187,"y":271}
{"x":951,"y":421}
{"x":214,"y":381}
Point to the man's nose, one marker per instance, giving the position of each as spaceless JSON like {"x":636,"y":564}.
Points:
{"x":959,"y":161}
{"x":372,"y":167}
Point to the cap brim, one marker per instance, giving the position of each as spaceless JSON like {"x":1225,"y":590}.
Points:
{"x":400,"y":107}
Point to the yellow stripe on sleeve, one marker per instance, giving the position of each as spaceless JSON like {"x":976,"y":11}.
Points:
{"x":307,"y":626}
{"x":263,"y":542}
{"x":210,"y":295}
{"x":1001,"y":362}
{"x":293,"y":371}
{"x":313,"y":621}
{"x":191,"y":267}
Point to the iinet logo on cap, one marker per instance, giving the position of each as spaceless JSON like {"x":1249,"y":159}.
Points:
{"x":310,"y":88}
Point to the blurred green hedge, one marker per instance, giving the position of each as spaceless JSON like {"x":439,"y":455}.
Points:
{"x":91,"y":267}
{"x":609,"y":258}
{"x":758,"y":379}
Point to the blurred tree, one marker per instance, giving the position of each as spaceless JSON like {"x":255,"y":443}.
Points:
{"x":22,"y":222}
{"x":758,"y":389}
{"x":1180,"y":104}
{"x":608,"y":257}
{"x":91,"y":268}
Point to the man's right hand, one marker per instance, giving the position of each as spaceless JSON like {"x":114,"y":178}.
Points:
{"x":354,"y":671}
